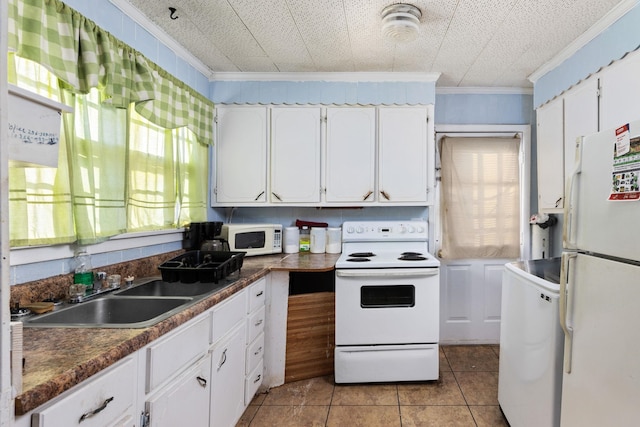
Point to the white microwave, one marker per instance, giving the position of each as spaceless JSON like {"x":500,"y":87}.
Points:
{"x":254,"y":239}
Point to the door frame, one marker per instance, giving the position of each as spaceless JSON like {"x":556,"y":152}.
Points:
{"x":475,"y":318}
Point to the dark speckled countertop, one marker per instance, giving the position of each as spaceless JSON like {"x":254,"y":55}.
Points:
{"x":57,"y":359}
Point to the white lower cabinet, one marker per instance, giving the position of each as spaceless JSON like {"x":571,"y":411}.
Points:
{"x":107,"y":399}
{"x":184,"y":402}
{"x":227,"y":379}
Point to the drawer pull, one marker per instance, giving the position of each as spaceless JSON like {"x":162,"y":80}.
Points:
{"x":223,"y":359}
{"x":95,"y":411}
{"x":257,"y":351}
{"x":202,"y":381}
{"x":259,"y":322}
{"x":259,"y":294}
{"x":257,"y":379}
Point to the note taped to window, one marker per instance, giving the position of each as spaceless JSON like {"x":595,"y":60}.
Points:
{"x":33,"y":128}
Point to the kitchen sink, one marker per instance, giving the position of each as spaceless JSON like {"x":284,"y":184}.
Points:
{"x":159,"y":288}
{"x":112,"y":312}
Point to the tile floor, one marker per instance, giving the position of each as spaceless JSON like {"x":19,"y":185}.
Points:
{"x":465,"y":395}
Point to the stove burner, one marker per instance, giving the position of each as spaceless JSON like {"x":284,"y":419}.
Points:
{"x":358,"y":259}
{"x":411,"y":254}
{"x":362,"y":254}
{"x":412,"y":257}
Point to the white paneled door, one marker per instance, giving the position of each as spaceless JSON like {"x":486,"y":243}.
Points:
{"x":471,"y":289}
{"x":470,"y":295}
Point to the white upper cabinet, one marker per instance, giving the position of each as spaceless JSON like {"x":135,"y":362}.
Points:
{"x":550,"y":142}
{"x":295,"y":155}
{"x":351,"y":152}
{"x":620,"y":84}
{"x":324,"y":156}
{"x":402,"y":154}
{"x":580,"y":118}
{"x":241,"y":155}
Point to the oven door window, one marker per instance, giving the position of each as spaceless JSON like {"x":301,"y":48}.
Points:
{"x":387,"y":296}
{"x":250,"y":240}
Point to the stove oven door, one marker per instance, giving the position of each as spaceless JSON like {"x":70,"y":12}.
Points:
{"x":387,"y":306}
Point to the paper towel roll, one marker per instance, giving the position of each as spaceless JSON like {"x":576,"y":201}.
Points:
{"x":318,"y":240}
{"x":334,"y":240}
{"x":291,"y":240}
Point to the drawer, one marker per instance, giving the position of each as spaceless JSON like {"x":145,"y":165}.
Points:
{"x":257,"y":294}
{"x":255,"y":324}
{"x":252,"y":383}
{"x":255,"y":353}
{"x":228,"y":314}
{"x":170,"y":355}
{"x":112,"y":390}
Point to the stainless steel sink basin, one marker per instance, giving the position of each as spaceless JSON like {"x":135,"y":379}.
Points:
{"x":158,"y":288}
{"x":112,"y":312}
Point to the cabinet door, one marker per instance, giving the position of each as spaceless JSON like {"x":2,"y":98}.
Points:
{"x":241,"y":155}
{"x":550,"y":142}
{"x":580,"y":118}
{"x":227,"y":384}
{"x":620,"y":92}
{"x":185,"y":402}
{"x":402,"y":158}
{"x":351,"y":142}
{"x":295,"y":155}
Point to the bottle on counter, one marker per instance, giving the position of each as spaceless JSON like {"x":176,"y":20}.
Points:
{"x":83,"y":273}
{"x":305,"y":239}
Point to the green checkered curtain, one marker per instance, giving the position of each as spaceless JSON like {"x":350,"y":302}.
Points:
{"x":83,"y":56}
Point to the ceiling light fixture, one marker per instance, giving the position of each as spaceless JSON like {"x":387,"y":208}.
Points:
{"x":400,"y":22}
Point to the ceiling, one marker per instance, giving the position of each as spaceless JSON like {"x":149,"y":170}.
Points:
{"x":472,"y":43}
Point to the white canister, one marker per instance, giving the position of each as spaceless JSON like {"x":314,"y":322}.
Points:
{"x":334,"y":240}
{"x":291,"y":240}
{"x":318,"y":240}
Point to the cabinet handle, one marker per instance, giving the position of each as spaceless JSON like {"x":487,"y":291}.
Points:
{"x":276,"y":196}
{"x":202,"y":381}
{"x":257,"y":379}
{"x":223,"y":359}
{"x":257,"y":351}
{"x":385,"y":195}
{"x":259,"y":294}
{"x":366,"y":196}
{"x":95,"y":411}
{"x":259,"y":322}
{"x":258,"y":196}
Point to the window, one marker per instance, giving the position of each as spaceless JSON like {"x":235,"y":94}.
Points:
{"x":480,"y":197}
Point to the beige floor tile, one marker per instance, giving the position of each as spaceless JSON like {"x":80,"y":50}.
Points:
{"x":488,"y":416}
{"x":471,"y":358}
{"x":315,"y":391}
{"x":258,"y":399}
{"x":247,"y":416}
{"x":373,"y":394}
{"x":445,"y":391}
{"x":436,"y":416}
{"x":290,"y":416}
{"x":478,"y":388}
{"x":364,"y":416}
{"x":444,"y":363}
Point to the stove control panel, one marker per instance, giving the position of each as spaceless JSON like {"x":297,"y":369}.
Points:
{"x":384,"y":230}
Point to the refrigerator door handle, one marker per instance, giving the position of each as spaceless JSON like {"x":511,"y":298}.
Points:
{"x":563,"y":308}
{"x":568,"y":233}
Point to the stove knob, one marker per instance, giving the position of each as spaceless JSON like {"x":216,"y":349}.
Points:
{"x":350,"y":229}
{"x":402,"y":229}
{"x":411,"y":229}
{"x":420,"y":229}
{"x":359,"y":230}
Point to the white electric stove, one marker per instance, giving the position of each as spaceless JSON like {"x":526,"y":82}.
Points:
{"x":387,"y":303}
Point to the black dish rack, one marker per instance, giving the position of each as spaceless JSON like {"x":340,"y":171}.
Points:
{"x":201,"y":266}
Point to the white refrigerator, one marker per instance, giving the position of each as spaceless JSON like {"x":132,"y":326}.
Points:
{"x":600,"y":282}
